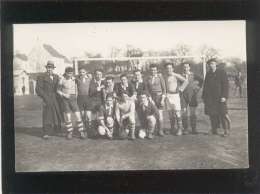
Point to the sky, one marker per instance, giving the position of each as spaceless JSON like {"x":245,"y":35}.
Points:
{"x":73,"y":39}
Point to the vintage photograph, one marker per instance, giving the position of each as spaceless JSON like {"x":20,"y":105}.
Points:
{"x":103,"y":96}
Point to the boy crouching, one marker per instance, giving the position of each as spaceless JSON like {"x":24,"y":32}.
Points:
{"x":67,"y":90}
{"x":106,"y":118}
{"x":149,"y":115}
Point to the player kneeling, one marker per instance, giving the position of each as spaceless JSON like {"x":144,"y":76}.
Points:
{"x":106,"y":118}
{"x":125,"y":116}
{"x":149,"y":115}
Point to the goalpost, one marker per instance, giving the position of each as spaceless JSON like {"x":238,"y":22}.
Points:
{"x":140,"y":59}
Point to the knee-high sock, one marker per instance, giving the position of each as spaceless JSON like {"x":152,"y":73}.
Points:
{"x":179,"y":123}
{"x":68,"y":126}
{"x":132,"y":129}
{"x":80,"y":126}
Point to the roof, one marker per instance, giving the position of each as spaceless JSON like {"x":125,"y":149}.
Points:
{"x":55,"y":53}
{"x":21,"y":56}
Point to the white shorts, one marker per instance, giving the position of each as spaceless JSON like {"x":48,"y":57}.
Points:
{"x":174,"y":101}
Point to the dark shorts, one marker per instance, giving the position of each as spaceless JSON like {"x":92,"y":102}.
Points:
{"x":185,"y":102}
{"x":95,"y":103}
{"x":70,"y":105}
{"x":157,"y":98}
{"x":84,"y":103}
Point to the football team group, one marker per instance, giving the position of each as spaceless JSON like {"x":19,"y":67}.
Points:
{"x":103,"y":108}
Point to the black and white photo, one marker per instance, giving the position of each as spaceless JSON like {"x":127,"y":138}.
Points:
{"x":106,"y":96}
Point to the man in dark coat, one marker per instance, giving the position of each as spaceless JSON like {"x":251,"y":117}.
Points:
{"x":215,"y":95}
{"x":46,"y":89}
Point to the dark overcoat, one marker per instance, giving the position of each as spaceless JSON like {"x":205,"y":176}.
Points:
{"x":215,"y":87}
{"x":46,"y":88}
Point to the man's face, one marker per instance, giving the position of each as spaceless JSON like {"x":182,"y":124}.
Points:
{"x":49,"y":70}
{"x":82,"y":72}
{"x":154,"y":71}
{"x":186,"y":68}
{"x":169,"y":69}
{"x":109,"y":101}
{"x":98,"y":75}
{"x":124,"y":80}
{"x":138,"y":75}
{"x":213,"y":66}
{"x":110,"y":83}
{"x":69,"y":74}
{"x":143,"y":99}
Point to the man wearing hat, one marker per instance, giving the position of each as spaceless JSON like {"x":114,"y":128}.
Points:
{"x":215,"y":95}
{"x":46,"y":87}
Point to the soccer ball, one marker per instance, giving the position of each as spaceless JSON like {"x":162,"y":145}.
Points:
{"x":142,"y":133}
{"x":110,"y":122}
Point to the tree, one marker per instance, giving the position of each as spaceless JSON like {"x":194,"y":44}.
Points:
{"x":208,"y":52}
{"x":182,"y":50}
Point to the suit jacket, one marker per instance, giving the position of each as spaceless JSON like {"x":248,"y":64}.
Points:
{"x":119,"y":89}
{"x":46,"y":89}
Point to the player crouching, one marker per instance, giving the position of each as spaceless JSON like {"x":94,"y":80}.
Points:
{"x":67,"y":90}
{"x":106,"y":118}
{"x":149,"y":115}
{"x":125,"y":116}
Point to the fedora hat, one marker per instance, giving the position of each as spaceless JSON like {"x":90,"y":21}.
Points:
{"x":50,"y":64}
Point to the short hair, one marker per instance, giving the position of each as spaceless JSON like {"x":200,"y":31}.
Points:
{"x":167,"y":64}
{"x":98,"y":70}
{"x":137,"y":70}
{"x":153,"y":65}
{"x":144,"y":93}
{"x":109,"y":96}
{"x":182,"y":64}
{"x":82,"y":68}
{"x":123,"y":75}
{"x":212,"y":60}
{"x":69,"y":70}
{"x":110,"y":78}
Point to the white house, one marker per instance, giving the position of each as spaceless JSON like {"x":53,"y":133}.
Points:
{"x":20,"y":75}
{"x":41,"y":53}
{"x":21,"y":82}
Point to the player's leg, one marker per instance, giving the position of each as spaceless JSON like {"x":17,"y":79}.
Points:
{"x":193,"y":119}
{"x":185,"y":119}
{"x":131,"y":122}
{"x":177,"y":109}
{"x":172,"y":119}
{"x":184,"y":111}
{"x":151,"y":124}
{"x":68,"y":124}
{"x":79,"y":124}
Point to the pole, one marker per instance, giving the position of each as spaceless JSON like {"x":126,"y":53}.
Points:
{"x":76,"y":67}
{"x":204,"y":66}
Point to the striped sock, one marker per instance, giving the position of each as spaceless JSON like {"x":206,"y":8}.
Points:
{"x":80,"y":125}
{"x":68,"y":126}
